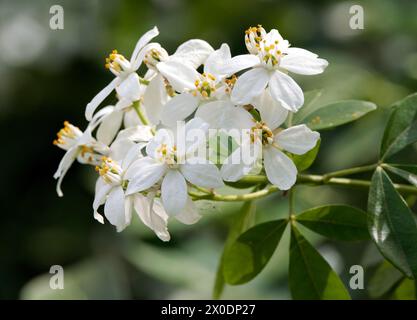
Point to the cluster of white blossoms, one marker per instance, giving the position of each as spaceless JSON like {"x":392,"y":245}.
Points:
{"x":144,"y":168}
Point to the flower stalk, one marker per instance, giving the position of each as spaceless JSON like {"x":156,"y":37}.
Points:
{"x":309,"y":179}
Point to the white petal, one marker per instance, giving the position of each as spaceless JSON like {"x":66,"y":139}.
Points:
{"x":272,"y":112}
{"x":234,"y":170}
{"x":131,"y":118}
{"x":178,"y":108}
{"x":154,"y":98}
{"x":216,"y":61}
{"x":136,"y":133}
{"x":133,"y":154}
{"x":179,"y":75}
{"x":135,"y":65}
{"x":119,"y":148}
{"x":130,"y":88}
{"x":298,"y":139}
{"x":195,"y":126}
{"x":109,"y":127}
{"x":189,"y":215}
{"x":303,"y":62}
{"x":239,"y":63}
{"x":162,"y":136}
{"x":148,"y":36}
{"x":300,"y":52}
{"x":63,"y":167}
{"x":145,"y":210}
{"x":224,"y":114}
{"x":274,"y":35}
{"x":249,"y":85}
{"x":99,"y":116}
{"x":114,"y":208}
{"x":193,"y":52}
{"x":286,"y":91}
{"x":101,"y":191}
{"x":128,"y":138}
{"x":174,"y":192}
{"x":128,"y":210}
{"x":123,"y":104}
{"x":143,"y":174}
{"x":279,"y":169}
{"x":99,"y":98}
{"x":205,"y":175}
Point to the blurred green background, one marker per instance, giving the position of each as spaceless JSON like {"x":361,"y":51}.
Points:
{"x":48,"y":76}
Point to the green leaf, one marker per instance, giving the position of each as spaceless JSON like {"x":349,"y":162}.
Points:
{"x":407,"y":172}
{"x":310,"y":276}
{"x":338,"y":113}
{"x":244,"y":219}
{"x":391,"y":224}
{"x":251,"y":251}
{"x":383,"y":280}
{"x":338,"y":222}
{"x":310,"y":105}
{"x":405,"y":291}
{"x":401,"y":129}
{"x":304,"y":161}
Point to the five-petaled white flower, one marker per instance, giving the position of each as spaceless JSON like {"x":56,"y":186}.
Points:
{"x":192,"y":53}
{"x":271,"y":57}
{"x":79,"y":145}
{"x":127,"y":81}
{"x":167,"y":163}
{"x":267,"y":138}
{"x":195,"y":89}
{"x":118,"y":206}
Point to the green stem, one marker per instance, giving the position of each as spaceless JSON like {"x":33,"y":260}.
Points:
{"x":289,"y":119}
{"x":291,"y":194}
{"x":142,"y":117}
{"x":309,"y":179}
{"x":350,"y":171}
{"x":144,"y":81}
{"x":234,"y":197}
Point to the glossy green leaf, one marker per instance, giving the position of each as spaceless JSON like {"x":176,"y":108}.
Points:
{"x":311,"y":99}
{"x":407,"y":172}
{"x":251,"y":251}
{"x":310,"y":276}
{"x":391,"y":224}
{"x":304,"y":161}
{"x":401,"y":129}
{"x":244,"y":219}
{"x":383,"y":280}
{"x":338,"y":222}
{"x":338,"y":113}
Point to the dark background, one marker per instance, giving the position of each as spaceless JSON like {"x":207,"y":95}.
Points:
{"x":47,"y":76}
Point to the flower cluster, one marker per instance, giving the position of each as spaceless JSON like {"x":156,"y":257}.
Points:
{"x":144,"y":168}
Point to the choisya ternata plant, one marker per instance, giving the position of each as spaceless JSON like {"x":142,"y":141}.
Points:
{"x":153,"y":154}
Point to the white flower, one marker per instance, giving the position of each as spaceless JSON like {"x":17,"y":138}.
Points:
{"x":118,"y":206}
{"x":127,"y":81}
{"x":195,"y":88}
{"x":271,"y":57}
{"x":165,"y":163}
{"x":193,"y":53}
{"x":267,"y":138}
{"x":79,"y":145}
